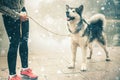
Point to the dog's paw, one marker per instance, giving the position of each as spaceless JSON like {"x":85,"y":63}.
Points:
{"x":71,"y":67}
{"x":88,"y":57}
{"x":108,"y":59}
{"x":83,"y":67}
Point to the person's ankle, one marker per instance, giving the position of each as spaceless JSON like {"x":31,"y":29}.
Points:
{"x":12,"y":75}
{"x":24,"y":69}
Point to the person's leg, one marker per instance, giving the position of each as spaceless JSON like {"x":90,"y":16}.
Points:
{"x":13,"y":30}
{"x":23,"y":49}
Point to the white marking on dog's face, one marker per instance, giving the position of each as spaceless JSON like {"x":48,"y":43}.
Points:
{"x":73,"y":13}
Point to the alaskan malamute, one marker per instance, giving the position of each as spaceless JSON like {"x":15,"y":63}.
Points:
{"x":84,"y":33}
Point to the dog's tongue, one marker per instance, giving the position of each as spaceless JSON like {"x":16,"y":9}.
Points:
{"x":68,"y":19}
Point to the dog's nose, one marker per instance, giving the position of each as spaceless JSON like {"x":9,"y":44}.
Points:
{"x":67,"y":12}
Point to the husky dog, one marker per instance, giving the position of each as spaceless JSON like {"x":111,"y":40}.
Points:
{"x":84,"y":33}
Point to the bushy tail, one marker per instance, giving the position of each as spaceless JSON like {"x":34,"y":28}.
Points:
{"x":95,"y":27}
{"x":98,"y":19}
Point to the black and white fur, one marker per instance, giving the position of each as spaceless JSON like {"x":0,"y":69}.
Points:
{"x":84,"y":33}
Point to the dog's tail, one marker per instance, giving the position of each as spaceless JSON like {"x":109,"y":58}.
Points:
{"x":98,"y":19}
{"x":95,"y":27}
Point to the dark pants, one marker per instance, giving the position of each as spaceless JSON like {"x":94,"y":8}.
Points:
{"x":18,"y":38}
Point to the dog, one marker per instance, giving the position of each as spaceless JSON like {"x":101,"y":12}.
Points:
{"x":84,"y":33}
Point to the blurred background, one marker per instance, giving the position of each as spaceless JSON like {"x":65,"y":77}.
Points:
{"x":51,"y":14}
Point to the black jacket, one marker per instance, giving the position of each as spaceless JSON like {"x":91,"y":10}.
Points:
{"x":11,"y":7}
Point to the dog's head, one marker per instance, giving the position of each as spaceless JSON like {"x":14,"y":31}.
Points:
{"x":74,"y":13}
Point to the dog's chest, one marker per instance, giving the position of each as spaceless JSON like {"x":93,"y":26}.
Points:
{"x":75,"y":37}
{"x":72,"y":27}
{"x":78,"y":39}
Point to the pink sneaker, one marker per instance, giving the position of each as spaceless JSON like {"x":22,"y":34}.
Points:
{"x":16,"y":77}
{"x":29,"y":74}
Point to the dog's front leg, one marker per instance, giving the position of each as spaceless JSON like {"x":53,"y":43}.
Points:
{"x":74,"y":50}
{"x":84,"y":60}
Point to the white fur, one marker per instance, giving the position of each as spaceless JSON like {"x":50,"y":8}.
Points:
{"x":95,"y":17}
{"x":74,"y":14}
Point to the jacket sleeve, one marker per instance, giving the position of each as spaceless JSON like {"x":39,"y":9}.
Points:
{"x":7,"y":11}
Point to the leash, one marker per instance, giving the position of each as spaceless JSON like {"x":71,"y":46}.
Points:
{"x":85,"y":21}
{"x":45,"y":28}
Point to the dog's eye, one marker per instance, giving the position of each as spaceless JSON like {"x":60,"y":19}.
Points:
{"x":73,"y":11}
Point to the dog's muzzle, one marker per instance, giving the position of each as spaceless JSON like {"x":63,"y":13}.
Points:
{"x":69,"y":18}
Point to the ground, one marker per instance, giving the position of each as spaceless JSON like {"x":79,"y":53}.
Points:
{"x":53,"y":66}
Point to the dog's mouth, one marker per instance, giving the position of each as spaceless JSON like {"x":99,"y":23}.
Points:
{"x":69,"y":18}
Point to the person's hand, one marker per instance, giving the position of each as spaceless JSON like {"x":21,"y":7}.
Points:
{"x":23,"y":16}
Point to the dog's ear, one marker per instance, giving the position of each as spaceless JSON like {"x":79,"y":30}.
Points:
{"x":67,"y":6}
{"x":81,"y":8}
